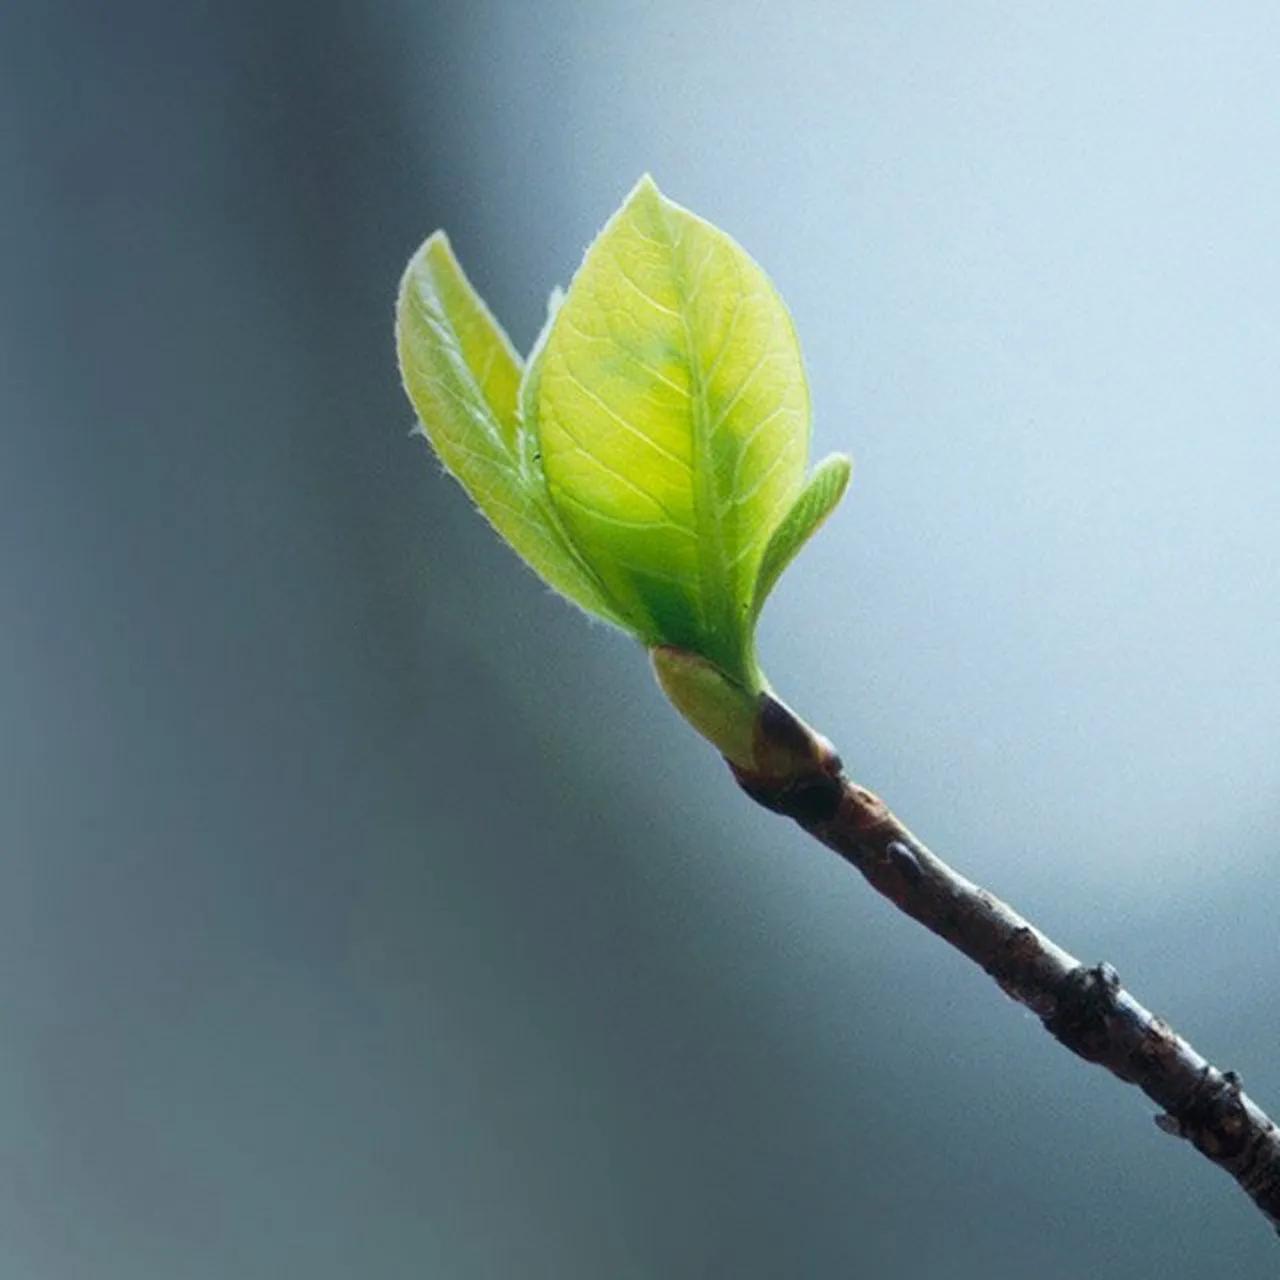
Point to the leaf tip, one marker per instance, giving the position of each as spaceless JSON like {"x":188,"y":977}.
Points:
{"x":645,"y":191}
{"x":433,"y":252}
{"x":434,"y":248}
{"x":839,"y":466}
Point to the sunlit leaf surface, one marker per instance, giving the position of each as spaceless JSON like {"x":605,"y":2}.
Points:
{"x":463,"y":378}
{"x":673,"y":419}
{"x":816,"y":501}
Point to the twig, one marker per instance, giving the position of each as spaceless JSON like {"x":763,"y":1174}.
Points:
{"x":1083,"y":1007}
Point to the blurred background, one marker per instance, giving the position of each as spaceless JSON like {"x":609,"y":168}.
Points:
{"x":363,"y":912}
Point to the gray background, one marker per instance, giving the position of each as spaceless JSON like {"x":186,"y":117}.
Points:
{"x":365,"y":913}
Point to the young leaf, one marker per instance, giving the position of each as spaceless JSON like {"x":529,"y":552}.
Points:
{"x":816,"y":501}
{"x":463,"y":377}
{"x":673,"y":418}
{"x":447,"y":320}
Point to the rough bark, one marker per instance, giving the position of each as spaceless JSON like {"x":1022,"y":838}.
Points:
{"x":1082,"y":1006}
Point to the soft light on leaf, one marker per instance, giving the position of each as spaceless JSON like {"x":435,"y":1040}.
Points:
{"x":673,"y":419}
{"x":816,"y":501}
{"x":463,"y":377}
{"x":648,"y":460}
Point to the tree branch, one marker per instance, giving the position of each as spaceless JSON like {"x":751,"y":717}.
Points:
{"x":1083,"y":1007}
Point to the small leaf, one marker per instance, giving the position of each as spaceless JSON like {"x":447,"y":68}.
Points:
{"x":463,"y":377}
{"x":673,"y":417}
{"x":448,"y":319}
{"x":816,"y":501}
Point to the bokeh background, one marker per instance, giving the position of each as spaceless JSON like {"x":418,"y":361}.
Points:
{"x":363,"y":912}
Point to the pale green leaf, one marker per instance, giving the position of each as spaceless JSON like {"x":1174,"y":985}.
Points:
{"x":463,"y":378}
{"x":815,"y":502}
{"x":673,"y":418}
{"x":450,"y":320}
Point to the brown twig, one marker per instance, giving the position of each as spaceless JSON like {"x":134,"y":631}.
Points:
{"x":1083,"y":1007}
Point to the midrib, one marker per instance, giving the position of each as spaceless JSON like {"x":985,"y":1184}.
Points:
{"x":715,"y":600}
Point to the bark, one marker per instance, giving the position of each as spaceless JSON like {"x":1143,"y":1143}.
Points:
{"x":1082,"y":1006}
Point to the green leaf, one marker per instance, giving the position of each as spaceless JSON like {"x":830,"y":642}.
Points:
{"x":673,"y":418}
{"x":447,"y":336}
{"x":463,"y":377}
{"x":816,"y":501}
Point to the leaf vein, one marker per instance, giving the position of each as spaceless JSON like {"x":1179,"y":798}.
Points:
{"x":621,"y":421}
{"x":579,"y":447}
